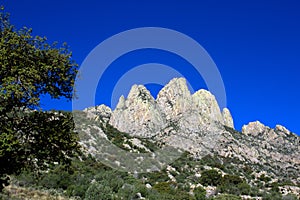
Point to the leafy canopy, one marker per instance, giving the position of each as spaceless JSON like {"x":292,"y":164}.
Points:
{"x":29,"y":68}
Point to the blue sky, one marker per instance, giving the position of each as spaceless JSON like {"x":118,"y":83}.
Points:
{"x":255,"y":44}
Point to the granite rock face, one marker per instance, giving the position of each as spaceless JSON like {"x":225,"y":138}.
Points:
{"x":138,"y":114}
{"x":176,"y":117}
{"x":254,"y":128}
{"x":228,"y":121}
{"x":101,"y":112}
{"x":195,"y":123}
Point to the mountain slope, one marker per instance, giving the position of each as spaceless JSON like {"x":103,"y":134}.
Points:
{"x":194,"y":123}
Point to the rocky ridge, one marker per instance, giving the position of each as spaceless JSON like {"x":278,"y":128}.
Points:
{"x":195,"y":123}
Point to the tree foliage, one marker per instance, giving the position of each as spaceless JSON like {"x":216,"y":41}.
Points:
{"x":210,"y":177}
{"x":30,"y":67}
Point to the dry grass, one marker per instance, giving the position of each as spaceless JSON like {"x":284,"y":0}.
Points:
{"x":21,"y":193}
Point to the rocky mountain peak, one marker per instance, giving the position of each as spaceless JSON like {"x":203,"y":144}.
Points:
{"x":254,"y":128}
{"x":139,"y":92}
{"x":228,"y":121}
{"x":282,"y":129}
{"x":174,"y":99}
{"x":174,"y":111}
{"x":195,"y":123}
{"x":177,"y":87}
{"x":138,"y":114}
{"x":121,"y":103}
{"x":101,"y":112}
{"x":207,"y":104}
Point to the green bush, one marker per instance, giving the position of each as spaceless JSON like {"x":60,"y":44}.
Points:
{"x":127,"y":191}
{"x":272,"y":196}
{"x":210,"y":177}
{"x":264,"y":178}
{"x":200,"y":193}
{"x":98,"y":191}
{"x":227,"y":197}
{"x":290,"y":197}
{"x":233,"y":184}
{"x":164,"y":187}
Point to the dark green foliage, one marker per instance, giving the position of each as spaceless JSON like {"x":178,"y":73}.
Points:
{"x":233,"y":184}
{"x":264,"y":178}
{"x":30,"y":67}
{"x":171,"y":190}
{"x":164,"y":187}
{"x":98,"y":191}
{"x":88,"y":178}
{"x":115,"y":136}
{"x":155,"y":177}
{"x":227,"y":197}
{"x":74,"y":179}
{"x":199,"y":193}
{"x":290,"y":197}
{"x":210,"y":177}
{"x":231,"y":179}
{"x":272,"y":196}
{"x":212,"y":161}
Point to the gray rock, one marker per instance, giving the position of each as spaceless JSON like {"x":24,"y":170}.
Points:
{"x":228,"y":121}
{"x":254,"y":128}
{"x":194,"y":122}
{"x":138,"y":114}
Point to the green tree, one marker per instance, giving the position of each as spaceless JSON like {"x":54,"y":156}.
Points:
{"x":30,"y":67}
{"x":233,"y":184}
{"x":98,"y":191}
{"x":210,"y":177}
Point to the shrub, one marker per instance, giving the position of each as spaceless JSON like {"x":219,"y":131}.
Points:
{"x":200,"y":193}
{"x":127,"y":191}
{"x":233,"y":184}
{"x":290,"y":197}
{"x":272,"y":196}
{"x":227,"y":197}
{"x":98,"y":192}
{"x":210,"y":177}
{"x":264,"y":178}
{"x":164,"y":187}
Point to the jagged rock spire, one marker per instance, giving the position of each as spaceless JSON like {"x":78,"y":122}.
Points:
{"x":140,"y":114}
{"x":228,"y":121}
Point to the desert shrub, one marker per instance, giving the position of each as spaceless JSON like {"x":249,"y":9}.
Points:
{"x":233,"y":184}
{"x":272,"y":196}
{"x":264,"y":178}
{"x":244,"y":188}
{"x":290,"y":197}
{"x":212,"y":161}
{"x":200,"y":193}
{"x":227,"y":197}
{"x":110,"y":178}
{"x":210,"y":177}
{"x":154,"y":177}
{"x":127,"y":191}
{"x":97,"y":191}
{"x":164,"y":187}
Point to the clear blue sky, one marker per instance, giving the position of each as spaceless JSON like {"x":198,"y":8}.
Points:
{"x":255,"y":44}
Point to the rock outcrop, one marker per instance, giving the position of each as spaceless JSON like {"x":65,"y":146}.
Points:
{"x":101,"y":112}
{"x":175,"y":108}
{"x":138,"y":114}
{"x":228,"y":121}
{"x":177,"y":117}
{"x":195,"y":123}
{"x":254,"y":128}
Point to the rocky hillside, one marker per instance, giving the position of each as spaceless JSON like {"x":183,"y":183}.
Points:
{"x":195,"y":124}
